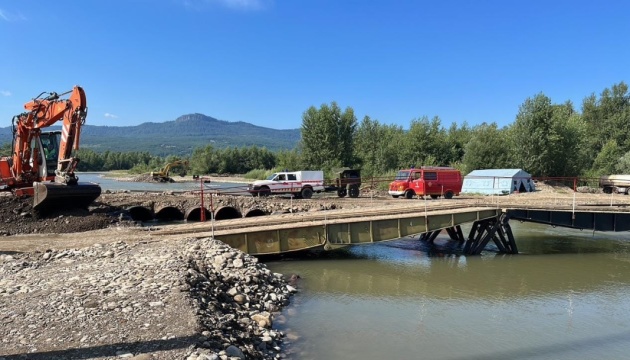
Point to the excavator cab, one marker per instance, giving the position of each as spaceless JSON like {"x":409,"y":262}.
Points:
{"x":50,"y":152}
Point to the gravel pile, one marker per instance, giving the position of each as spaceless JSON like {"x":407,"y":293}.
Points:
{"x":142,"y":178}
{"x":190,"y":299}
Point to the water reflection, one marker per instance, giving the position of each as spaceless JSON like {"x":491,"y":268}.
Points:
{"x":566,"y":296}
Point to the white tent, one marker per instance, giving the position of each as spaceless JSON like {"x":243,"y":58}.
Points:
{"x":497,"y":181}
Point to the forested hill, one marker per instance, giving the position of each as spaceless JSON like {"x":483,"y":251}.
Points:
{"x":179,"y":137}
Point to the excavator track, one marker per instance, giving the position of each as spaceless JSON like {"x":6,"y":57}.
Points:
{"x":50,"y":195}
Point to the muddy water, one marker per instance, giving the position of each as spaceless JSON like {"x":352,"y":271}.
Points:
{"x":566,"y":296}
{"x":113,"y":184}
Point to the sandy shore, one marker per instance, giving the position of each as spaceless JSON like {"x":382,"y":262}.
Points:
{"x":124,"y":176}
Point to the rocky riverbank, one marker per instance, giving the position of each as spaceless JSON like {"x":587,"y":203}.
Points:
{"x":189,"y":299}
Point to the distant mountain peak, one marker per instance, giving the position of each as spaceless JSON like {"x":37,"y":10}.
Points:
{"x":195,"y":117}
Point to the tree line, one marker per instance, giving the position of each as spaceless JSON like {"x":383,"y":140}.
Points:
{"x":546,"y":139}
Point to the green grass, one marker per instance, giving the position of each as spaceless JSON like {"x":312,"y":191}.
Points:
{"x":258,"y":174}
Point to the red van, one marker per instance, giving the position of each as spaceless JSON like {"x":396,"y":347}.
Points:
{"x":427,"y":180}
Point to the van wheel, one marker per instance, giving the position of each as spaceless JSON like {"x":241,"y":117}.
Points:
{"x":409,"y":194}
{"x":341,"y":192}
{"x":448,"y":195}
{"x":307,"y":193}
{"x":434,"y":197}
{"x":354,"y":191}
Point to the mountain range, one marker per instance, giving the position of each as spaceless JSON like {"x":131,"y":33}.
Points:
{"x":180,"y":136}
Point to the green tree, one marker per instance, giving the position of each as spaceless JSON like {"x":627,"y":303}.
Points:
{"x":488,"y":148}
{"x":608,"y":118}
{"x":544,"y":138}
{"x":290,"y":160}
{"x":457,"y":137}
{"x":5,"y":149}
{"x":426,"y":144}
{"x":367,"y":145}
{"x":607,"y":160}
{"x":204,"y":160}
{"x":328,"y":136}
{"x":623,"y":166}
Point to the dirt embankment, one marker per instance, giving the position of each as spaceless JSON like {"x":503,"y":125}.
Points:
{"x":17,"y":216}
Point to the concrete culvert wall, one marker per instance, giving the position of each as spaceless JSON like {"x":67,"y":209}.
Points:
{"x":140,"y":213}
{"x":227,"y":212}
{"x":167,"y":213}
{"x":254,"y":212}
{"x":194,"y":214}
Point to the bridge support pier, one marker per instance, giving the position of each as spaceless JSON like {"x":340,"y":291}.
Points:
{"x":455,"y":233}
{"x":496,"y":229}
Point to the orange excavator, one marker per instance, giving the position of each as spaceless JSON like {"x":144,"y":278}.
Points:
{"x":43,"y":164}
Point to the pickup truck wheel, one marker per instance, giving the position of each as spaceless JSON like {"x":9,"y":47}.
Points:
{"x":341,"y":192}
{"x":409,"y":194}
{"x":307,"y":193}
{"x":264,"y":192}
{"x":448,"y":195}
{"x":354,"y":191}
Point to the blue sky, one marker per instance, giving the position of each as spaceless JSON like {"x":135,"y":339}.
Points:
{"x":266,"y":61}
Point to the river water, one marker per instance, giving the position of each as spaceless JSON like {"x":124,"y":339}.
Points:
{"x":113,"y":184}
{"x":565,"y":296}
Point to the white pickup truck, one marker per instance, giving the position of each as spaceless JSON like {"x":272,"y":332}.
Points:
{"x":298,"y":183}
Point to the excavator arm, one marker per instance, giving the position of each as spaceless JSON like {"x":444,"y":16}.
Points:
{"x":26,"y":176}
{"x":43,"y":113}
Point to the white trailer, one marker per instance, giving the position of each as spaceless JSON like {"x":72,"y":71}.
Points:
{"x":619,"y":184}
{"x":298,"y":183}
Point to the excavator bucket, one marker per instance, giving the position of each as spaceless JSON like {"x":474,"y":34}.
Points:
{"x":50,"y":196}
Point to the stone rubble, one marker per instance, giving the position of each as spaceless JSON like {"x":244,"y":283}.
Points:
{"x":188,"y":299}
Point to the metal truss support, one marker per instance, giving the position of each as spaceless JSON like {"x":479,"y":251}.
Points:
{"x":496,"y":229}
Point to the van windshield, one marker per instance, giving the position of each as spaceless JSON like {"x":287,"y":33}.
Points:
{"x":402,"y":175}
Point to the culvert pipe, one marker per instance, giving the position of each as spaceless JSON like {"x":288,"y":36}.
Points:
{"x":254,"y":212}
{"x":140,"y":213}
{"x":194,"y":214}
{"x":168,"y":213}
{"x":226,"y":213}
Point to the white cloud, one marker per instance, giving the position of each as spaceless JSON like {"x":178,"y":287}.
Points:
{"x":243,"y":4}
{"x":6,"y":16}
{"x":5,"y":93}
{"x":247,"y":5}
{"x":108,"y":115}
